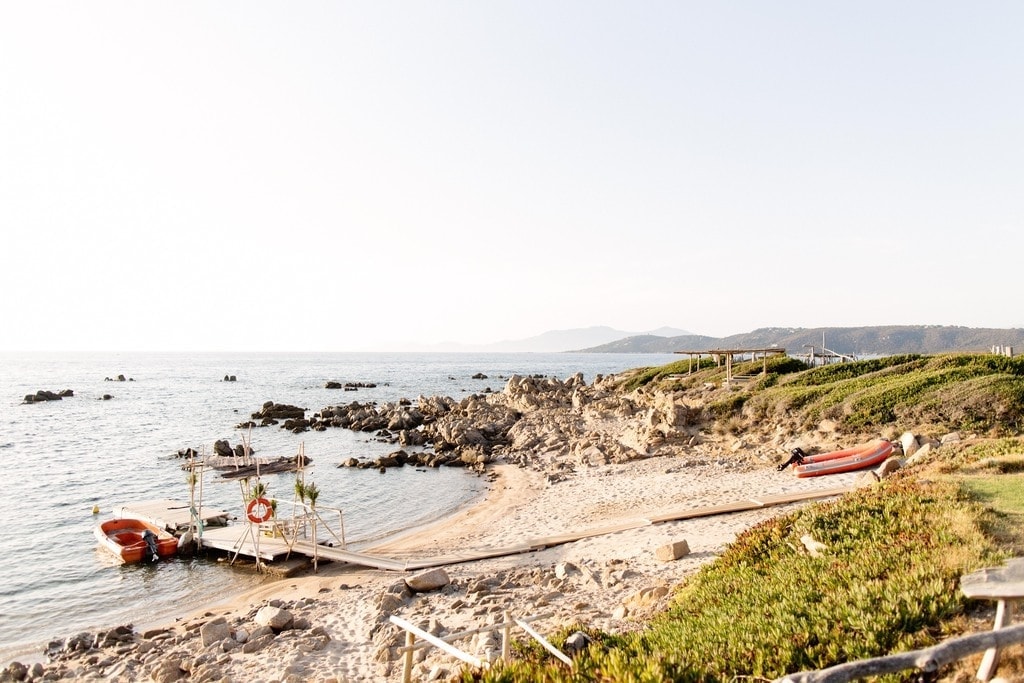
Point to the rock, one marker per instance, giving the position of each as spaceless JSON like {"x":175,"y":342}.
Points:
{"x":922,"y":454}
{"x":388,"y":604}
{"x":866,"y":479}
{"x":167,"y":670}
{"x":909,"y":443}
{"x":672,"y":551}
{"x":257,"y":644}
{"x":215,"y":631}
{"x":565,"y":569}
{"x":274,"y":617}
{"x":427,"y":581}
{"x":888,"y":467}
{"x":43,"y":395}
{"x":952,"y":437}
{"x":576,"y":643}
{"x":814,"y":548}
{"x":277,"y":411}
{"x":16,"y":671}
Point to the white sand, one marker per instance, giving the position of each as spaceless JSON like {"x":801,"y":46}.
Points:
{"x":610,"y":582}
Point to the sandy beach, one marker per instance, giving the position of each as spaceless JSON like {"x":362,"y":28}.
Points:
{"x":611,"y":581}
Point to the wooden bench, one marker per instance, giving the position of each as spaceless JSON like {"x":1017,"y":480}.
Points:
{"x":1005,"y":585}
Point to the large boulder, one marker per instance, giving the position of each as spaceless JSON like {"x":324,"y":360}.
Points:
{"x":427,"y":581}
{"x":274,"y":617}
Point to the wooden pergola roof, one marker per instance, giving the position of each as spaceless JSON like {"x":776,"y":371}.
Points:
{"x":717,"y":354}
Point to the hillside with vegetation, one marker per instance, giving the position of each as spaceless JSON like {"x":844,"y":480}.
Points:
{"x":882,"y":340}
{"x":887,"y":580}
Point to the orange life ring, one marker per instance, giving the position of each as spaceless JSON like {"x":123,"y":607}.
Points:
{"x":259,"y":510}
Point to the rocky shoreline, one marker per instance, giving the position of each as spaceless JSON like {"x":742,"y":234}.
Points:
{"x":566,"y":456}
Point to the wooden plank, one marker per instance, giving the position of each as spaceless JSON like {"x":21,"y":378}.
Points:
{"x":746,"y":505}
{"x":437,"y":642}
{"x":339,"y":555}
{"x":235,"y":538}
{"x":928,"y":660}
{"x":173,"y":515}
{"x":543,"y":641}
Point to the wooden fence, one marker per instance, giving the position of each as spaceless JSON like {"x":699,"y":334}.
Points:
{"x":412,"y":632}
{"x":928,"y":661}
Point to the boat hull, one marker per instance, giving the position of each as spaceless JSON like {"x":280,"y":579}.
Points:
{"x":846,"y":460}
{"x":124,"y":538}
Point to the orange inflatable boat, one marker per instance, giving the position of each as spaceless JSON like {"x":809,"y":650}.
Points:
{"x":846,"y":460}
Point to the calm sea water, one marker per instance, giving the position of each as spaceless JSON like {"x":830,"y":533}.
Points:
{"x":62,"y":458}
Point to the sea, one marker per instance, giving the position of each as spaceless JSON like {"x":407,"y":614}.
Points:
{"x":61,"y":460}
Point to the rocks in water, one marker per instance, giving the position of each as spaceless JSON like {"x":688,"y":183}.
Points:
{"x":349,"y":386}
{"x":187,"y":453}
{"x":230,"y":378}
{"x":271,"y":412}
{"x":224,"y":449}
{"x":43,"y":395}
{"x":119,"y":378}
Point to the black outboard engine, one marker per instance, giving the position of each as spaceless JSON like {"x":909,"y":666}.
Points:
{"x":796,"y":456}
{"x":150,"y":538}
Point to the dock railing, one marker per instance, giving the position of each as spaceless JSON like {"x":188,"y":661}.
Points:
{"x":304,"y":522}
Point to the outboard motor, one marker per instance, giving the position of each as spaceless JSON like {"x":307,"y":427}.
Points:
{"x":796,"y":456}
{"x":150,"y":538}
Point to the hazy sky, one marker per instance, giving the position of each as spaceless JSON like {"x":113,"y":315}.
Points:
{"x":358,"y":176}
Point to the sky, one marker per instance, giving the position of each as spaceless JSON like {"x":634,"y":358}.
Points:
{"x":359,"y":176}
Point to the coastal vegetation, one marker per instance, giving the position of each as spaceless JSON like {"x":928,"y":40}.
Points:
{"x":969,"y":392}
{"x":884,"y":574}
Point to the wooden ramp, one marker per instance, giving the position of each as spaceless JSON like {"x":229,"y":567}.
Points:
{"x":238,"y":538}
{"x":172,"y":515}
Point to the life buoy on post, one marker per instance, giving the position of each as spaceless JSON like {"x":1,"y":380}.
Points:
{"x":258,"y":510}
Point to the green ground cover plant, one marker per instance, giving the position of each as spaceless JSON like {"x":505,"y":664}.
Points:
{"x":971,"y":392}
{"x":888,"y":580}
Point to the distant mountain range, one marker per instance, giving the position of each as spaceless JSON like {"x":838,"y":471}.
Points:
{"x":859,"y":341}
{"x":557,"y":341}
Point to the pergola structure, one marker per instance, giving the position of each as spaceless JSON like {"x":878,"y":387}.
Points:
{"x":730,"y":354}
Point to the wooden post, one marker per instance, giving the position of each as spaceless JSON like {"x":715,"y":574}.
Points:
{"x":506,"y":637}
{"x":410,"y":640}
{"x":1004,"y":616}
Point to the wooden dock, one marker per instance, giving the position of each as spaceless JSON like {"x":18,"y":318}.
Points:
{"x":239,"y":538}
{"x":172,"y":515}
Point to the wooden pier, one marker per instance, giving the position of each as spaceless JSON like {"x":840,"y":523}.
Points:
{"x":239,"y":539}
